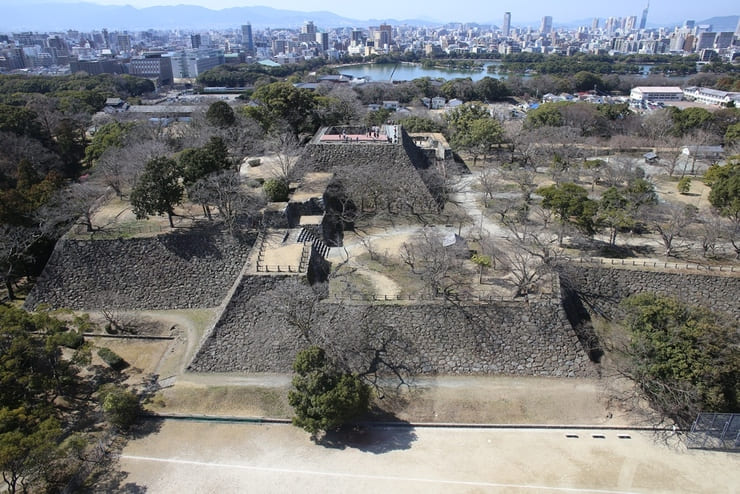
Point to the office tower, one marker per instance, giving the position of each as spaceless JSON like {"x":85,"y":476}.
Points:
{"x":247,"y":39}
{"x":507,"y":24}
{"x":705,"y":40}
{"x":323,"y":40}
{"x":595,"y":24}
{"x":689,"y":24}
{"x":309,"y":28}
{"x":723,"y":40}
{"x":385,"y":36}
{"x":356,"y":37}
{"x":546,"y":25}
{"x":124,"y":42}
{"x":630,"y":23}
{"x":195,"y":41}
{"x":308,"y":33}
{"x":643,"y":20}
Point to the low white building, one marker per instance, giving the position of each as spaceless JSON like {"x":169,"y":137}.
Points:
{"x":656,"y":93}
{"x":711,"y":96}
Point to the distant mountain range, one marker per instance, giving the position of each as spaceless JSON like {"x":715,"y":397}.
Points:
{"x":88,"y":16}
{"x":19,"y":15}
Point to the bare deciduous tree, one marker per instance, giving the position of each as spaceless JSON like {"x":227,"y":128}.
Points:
{"x":670,"y":222}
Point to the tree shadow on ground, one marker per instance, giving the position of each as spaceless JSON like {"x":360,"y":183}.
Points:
{"x":115,"y":481}
{"x":371,"y":437}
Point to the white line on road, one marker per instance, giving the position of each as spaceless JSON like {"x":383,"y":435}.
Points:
{"x":367,"y":476}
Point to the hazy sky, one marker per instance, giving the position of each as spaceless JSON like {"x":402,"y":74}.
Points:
{"x":468,"y":11}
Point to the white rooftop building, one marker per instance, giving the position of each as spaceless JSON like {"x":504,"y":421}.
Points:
{"x":711,"y":96}
{"x":656,"y":93}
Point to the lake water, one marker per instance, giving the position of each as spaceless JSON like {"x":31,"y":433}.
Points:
{"x":408,"y":72}
{"x":385,"y":72}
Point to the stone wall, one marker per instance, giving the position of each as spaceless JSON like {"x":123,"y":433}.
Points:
{"x":173,"y":271}
{"x":401,"y":168}
{"x":601,"y":289}
{"x":518,"y":337}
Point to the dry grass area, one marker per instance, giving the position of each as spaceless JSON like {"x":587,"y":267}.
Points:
{"x":244,"y":401}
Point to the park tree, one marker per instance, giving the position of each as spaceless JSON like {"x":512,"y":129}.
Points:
{"x":224,"y":191}
{"x":461,"y":88}
{"x":120,"y":406}
{"x":571,"y":206}
{"x":28,"y":444}
{"x":725,"y":189}
{"x":324,"y":397}
{"x":196,"y":163}
{"x":220,"y":114}
{"x":670,"y":221}
{"x":613,"y":213}
{"x":107,"y":136}
{"x":420,"y":124}
{"x":473,"y":129}
{"x":15,"y":253}
{"x":158,"y":189}
{"x":683,"y":359}
{"x":283,"y":102}
{"x":491,"y":89}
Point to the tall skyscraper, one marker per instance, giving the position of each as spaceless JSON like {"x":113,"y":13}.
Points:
{"x":247,"y":39}
{"x":595,"y":24}
{"x":195,"y":41}
{"x":643,"y":20}
{"x":546,"y":25}
{"x":507,"y":24}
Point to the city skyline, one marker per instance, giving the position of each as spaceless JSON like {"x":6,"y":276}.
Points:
{"x":660,"y":12}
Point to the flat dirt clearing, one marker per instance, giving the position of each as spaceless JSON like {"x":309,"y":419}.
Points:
{"x":199,"y":457}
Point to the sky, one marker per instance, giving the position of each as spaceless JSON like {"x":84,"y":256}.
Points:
{"x":467,"y":11}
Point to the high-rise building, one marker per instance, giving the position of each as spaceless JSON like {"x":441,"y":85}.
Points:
{"x":643,"y":20}
{"x":247,"y":39}
{"x":507,"y":24}
{"x":737,"y":29}
{"x":195,"y":41}
{"x":630,"y":23}
{"x":705,"y":40}
{"x":308,"y":33}
{"x":124,"y":42}
{"x":546,"y":25}
{"x":356,"y":37}
{"x":689,"y":24}
{"x":595,"y":24}
{"x":723,"y":40}
{"x":323,"y":40}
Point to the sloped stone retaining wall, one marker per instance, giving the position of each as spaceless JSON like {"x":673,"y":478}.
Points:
{"x":173,"y":271}
{"x":601,"y":289}
{"x":518,"y":337}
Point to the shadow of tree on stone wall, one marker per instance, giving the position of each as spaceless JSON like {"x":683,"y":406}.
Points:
{"x":192,"y":243}
{"x":371,"y":438}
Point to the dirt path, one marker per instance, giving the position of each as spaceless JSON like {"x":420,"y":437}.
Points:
{"x":202,"y":457}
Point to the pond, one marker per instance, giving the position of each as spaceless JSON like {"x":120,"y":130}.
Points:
{"x":385,"y":72}
{"x":409,"y":71}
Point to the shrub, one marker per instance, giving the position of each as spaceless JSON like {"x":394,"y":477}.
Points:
{"x":684,"y":185}
{"x":276,"y":190}
{"x":69,"y":339}
{"x":120,"y":406}
{"x":112,"y":359}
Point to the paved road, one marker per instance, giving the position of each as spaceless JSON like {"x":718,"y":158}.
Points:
{"x":224,"y":458}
